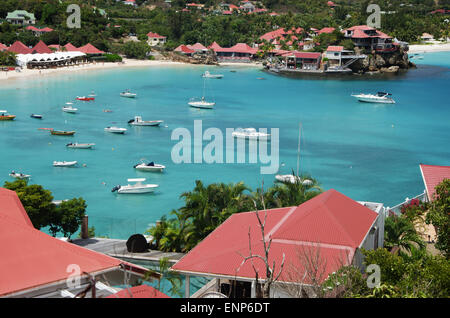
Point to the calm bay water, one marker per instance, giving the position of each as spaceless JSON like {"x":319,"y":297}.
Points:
{"x":368,"y":152}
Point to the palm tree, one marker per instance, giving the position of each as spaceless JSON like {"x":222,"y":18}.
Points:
{"x":400,"y":232}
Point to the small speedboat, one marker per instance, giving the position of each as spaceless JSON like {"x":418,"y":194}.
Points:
{"x":151,"y":167}
{"x":137,"y":188}
{"x":92,"y":94}
{"x":137,"y":121}
{"x":19,"y":175}
{"x":115,"y":130}
{"x":36,"y":116}
{"x":380,"y":97}
{"x":249,"y":133}
{"x":128,"y":94}
{"x":62,"y":133}
{"x":69,"y":108}
{"x":79,"y":146}
{"x":5,"y":116}
{"x":86,"y":99}
{"x":207,"y":74}
{"x":64,"y":163}
{"x":202,"y":103}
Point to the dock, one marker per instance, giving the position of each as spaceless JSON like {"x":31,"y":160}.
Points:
{"x":118,"y":249}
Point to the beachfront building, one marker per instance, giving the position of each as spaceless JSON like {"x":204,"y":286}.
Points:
{"x":426,"y":37}
{"x":302,"y":61}
{"x":36,"y":265}
{"x":198,"y":48}
{"x":37,"y":31}
{"x":19,"y":48}
{"x":20,"y":17}
{"x":184,"y":50}
{"x":339,"y":58}
{"x":241,"y":52}
{"x":154,"y":39}
{"x":329,"y":229}
{"x":370,"y":39}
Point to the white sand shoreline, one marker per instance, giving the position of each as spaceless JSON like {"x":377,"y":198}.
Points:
{"x":26,"y":74}
{"x":428,"y":48}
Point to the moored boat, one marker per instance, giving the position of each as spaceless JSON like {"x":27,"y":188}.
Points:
{"x":149,"y":166}
{"x":62,"y":133}
{"x":137,"y":188}
{"x":36,"y":116}
{"x":207,"y":74}
{"x":249,"y":133}
{"x":4,"y":116}
{"x":137,"y":121}
{"x":202,"y":103}
{"x":77,"y":145}
{"x":86,"y":99}
{"x":128,"y":94}
{"x":19,"y":175}
{"x":69,"y":108}
{"x":115,"y":130}
{"x":380,"y":97}
{"x":64,"y":163}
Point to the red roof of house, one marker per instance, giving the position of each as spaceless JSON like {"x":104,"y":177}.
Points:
{"x":331,"y":4}
{"x":142,"y":291}
{"x":227,"y":12}
{"x":184,"y":49}
{"x":90,"y":49}
{"x":326,"y":30}
{"x":279,"y":33}
{"x":335,"y":48}
{"x":214,"y":46}
{"x":432,"y":176}
{"x":70,"y":47}
{"x":358,"y":32}
{"x":19,"y":48}
{"x":305,"y":55}
{"x":31,"y":258}
{"x":32,"y":28}
{"x":197,"y":47}
{"x":331,"y":224}
{"x":233,"y":7}
{"x":155,"y":35}
{"x":41,"y":48}
{"x":238,"y":48}
{"x":273,"y":14}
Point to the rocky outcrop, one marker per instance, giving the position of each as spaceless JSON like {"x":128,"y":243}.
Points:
{"x":207,"y":58}
{"x":390,"y":62}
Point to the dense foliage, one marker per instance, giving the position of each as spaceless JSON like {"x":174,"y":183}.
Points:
{"x":37,"y":201}
{"x":7,"y":59}
{"x":206,"y":207}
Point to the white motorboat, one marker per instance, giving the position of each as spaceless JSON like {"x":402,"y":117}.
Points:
{"x":137,"y":121}
{"x":77,"y":145}
{"x":19,"y":175}
{"x":137,"y":188}
{"x":249,"y":133}
{"x":202,"y":103}
{"x":69,"y":108}
{"x":207,"y":74}
{"x":380,"y":97}
{"x":151,"y":167}
{"x":289,"y":178}
{"x":115,"y":130}
{"x":64,"y":163}
{"x":128,"y":94}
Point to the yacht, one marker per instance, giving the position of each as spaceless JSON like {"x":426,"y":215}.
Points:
{"x":249,"y":133}
{"x":116,"y":130}
{"x":137,"y":121}
{"x":79,"y":146}
{"x":380,"y":97}
{"x":69,"y":108}
{"x":19,"y":175}
{"x":137,"y":188}
{"x":202,"y":103}
{"x":207,"y":74}
{"x":64,"y":163}
{"x":152,"y":167}
{"x":128,"y":94}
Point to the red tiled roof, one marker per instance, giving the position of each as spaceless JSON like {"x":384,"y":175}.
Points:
{"x":214,"y":46}
{"x":32,"y":28}
{"x":19,"y":48}
{"x":155,"y":35}
{"x":432,"y":176}
{"x":331,"y":224}
{"x":305,"y":55}
{"x":197,"y":47}
{"x":335,"y":48}
{"x":142,"y":291}
{"x":90,"y":49}
{"x":70,"y":47}
{"x":326,"y":30}
{"x":184,"y":49}
{"x":227,"y":12}
{"x":31,"y":258}
{"x":41,"y":48}
{"x":280,"y":33}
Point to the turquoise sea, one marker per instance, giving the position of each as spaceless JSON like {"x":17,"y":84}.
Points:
{"x":368,"y":152}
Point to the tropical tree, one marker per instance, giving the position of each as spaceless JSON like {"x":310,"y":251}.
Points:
{"x":400,"y":232}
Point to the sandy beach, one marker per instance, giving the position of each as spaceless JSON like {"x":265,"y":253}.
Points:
{"x":427,"y":48}
{"x":27,"y":73}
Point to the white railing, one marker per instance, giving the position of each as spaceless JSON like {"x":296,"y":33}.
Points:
{"x":397,"y":208}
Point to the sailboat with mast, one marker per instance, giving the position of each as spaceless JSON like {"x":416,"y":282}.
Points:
{"x":294,"y":178}
{"x":202,"y":102}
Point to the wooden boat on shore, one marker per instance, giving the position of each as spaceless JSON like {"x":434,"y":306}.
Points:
{"x":4,"y":116}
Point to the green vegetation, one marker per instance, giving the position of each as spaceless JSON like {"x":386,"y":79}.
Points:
{"x":37,"y":201}
{"x":7,"y":59}
{"x":206,"y":207}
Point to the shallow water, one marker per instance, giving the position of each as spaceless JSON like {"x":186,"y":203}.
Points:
{"x":366,"y":151}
